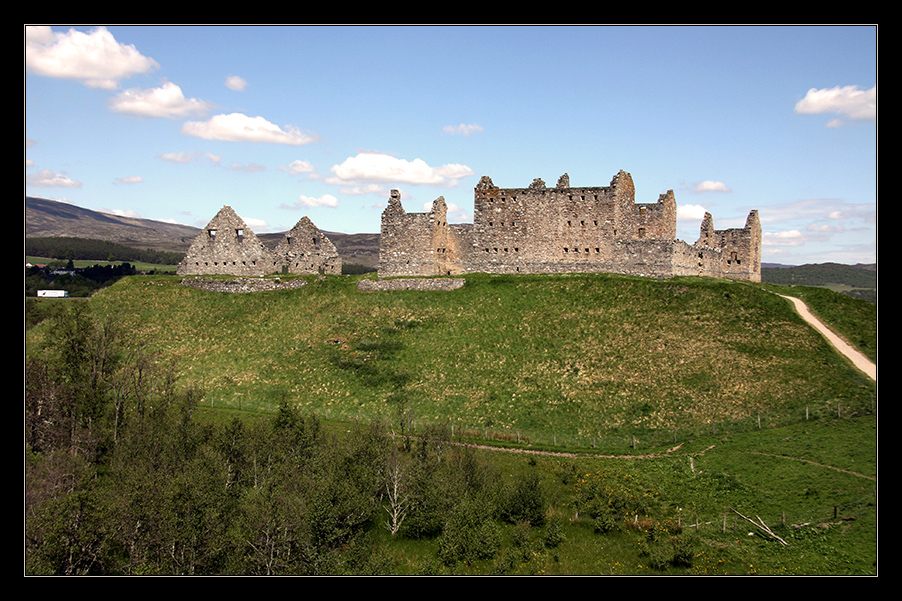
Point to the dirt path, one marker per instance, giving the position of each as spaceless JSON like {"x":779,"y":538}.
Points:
{"x":858,"y":359}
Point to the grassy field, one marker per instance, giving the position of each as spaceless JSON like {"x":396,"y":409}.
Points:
{"x":584,"y":360}
{"x":138,"y":265}
{"x":692,"y":402}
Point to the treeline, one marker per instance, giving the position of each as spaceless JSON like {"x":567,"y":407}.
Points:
{"x":821,"y":274}
{"x":84,"y":249}
{"x":81,"y":282}
{"x":122,"y":479}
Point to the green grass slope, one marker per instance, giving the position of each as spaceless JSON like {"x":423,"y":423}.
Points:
{"x":563,"y":360}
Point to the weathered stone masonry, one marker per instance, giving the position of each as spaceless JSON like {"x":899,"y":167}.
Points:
{"x":560,"y":230}
{"x":228,"y":247}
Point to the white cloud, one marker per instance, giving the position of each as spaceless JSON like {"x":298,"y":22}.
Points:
{"x":47,"y":178}
{"x":236,"y":127}
{"x":816,"y":209}
{"x":691,"y":212}
{"x":134,"y":179}
{"x":95,"y":58}
{"x":824,"y":228}
{"x":121,"y":212}
{"x":848,"y":102}
{"x":370,"y":167}
{"x":166,"y":101}
{"x":326,"y":200}
{"x":187,"y":157}
{"x":364,"y":189}
{"x":787,"y":238}
{"x":463,"y":129}
{"x":233,"y":82}
{"x":249,"y":168}
{"x":255,"y":223}
{"x":299,"y":167}
{"x":710,"y":186}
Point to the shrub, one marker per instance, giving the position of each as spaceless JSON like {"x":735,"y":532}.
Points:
{"x":524,"y":501}
{"x":470,"y":534}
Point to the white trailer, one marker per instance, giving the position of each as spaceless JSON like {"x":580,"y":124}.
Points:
{"x":52,"y":294}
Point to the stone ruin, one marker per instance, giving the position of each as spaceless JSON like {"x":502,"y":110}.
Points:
{"x":228,"y":247}
{"x":563,"y":230}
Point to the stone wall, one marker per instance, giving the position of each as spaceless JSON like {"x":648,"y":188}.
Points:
{"x":442,"y":284}
{"x":559,"y":230}
{"x":228,"y":247}
{"x":306,"y":250}
{"x":241,"y":285}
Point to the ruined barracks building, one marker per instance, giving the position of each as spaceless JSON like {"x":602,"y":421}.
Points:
{"x":563,"y":229}
{"x":228,"y":247}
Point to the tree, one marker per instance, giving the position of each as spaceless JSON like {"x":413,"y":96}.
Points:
{"x":396,"y":492}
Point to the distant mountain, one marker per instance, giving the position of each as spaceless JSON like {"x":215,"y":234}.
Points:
{"x":52,"y":219}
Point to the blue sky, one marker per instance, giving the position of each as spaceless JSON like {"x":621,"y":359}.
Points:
{"x":172,"y":123}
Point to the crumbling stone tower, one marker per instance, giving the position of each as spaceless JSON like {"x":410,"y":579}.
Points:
{"x":739,"y":249}
{"x":416,"y":243}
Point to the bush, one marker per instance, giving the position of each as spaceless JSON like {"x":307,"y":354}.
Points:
{"x":524,"y":501}
{"x":470,"y":534}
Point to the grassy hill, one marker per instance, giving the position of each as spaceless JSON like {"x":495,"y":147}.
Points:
{"x":552,"y":358}
{"x":685,"y":404}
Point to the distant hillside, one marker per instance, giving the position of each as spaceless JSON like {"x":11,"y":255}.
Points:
{"x":52,"y":219}
{"x":859,"y":281}
{"x":48,"y":218}
{"x":358,"y":249}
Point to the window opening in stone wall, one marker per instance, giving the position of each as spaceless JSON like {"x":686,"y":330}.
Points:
{"x":240,"y":234}
{"x":212,"y":234}
{"x":641,"y":232}
{"x":316,"y":243}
